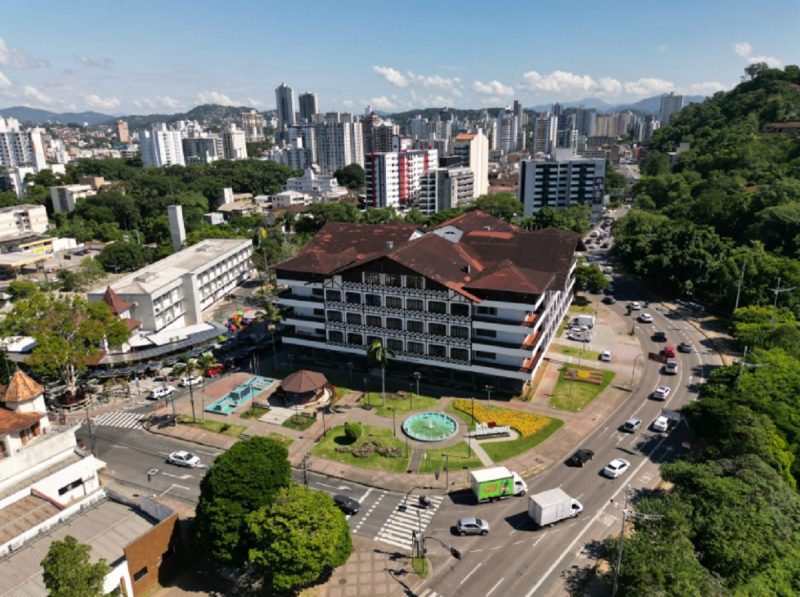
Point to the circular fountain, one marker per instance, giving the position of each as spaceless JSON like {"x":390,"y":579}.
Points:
{"x":430,"y":426}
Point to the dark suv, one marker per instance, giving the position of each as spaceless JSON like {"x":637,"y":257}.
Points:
{"x":347,"y":504}
{"x":659,"y":336}
{"x":580,"y":457}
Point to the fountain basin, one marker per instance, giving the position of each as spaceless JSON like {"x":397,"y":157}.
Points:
{"x":430,"y":426}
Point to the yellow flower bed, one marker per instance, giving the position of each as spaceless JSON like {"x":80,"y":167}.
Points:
{"x":525,"y":423}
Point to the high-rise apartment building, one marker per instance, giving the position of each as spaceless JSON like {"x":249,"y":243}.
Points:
{"x":446,"y":188}
{"x":670,"y":104}
{"x":200,"y":150}
{"x":472,"y":149}
{"x":339,"y":142}
{"x":234,"y":146}
{"x":586,"y":121}
{"x":21,"y":146}
{"x":394,"y":178}
{"x":308,"y":107}
{"x":608,"y":126}
{"x":161,"y":146}
{"x":122,"y":131}
{"x":284,"y":100}
{"x":544,"y":135}
{"x":253,"y":125}
{"x":562,"y":180}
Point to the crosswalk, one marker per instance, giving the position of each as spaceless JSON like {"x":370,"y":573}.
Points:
{"x":397,"y":528}
{"x":430,"y":593}
{"x":119,"y":418}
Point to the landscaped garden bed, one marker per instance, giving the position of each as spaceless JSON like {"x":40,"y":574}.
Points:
{"x":213,"y":426}
{"x":374,"y":448}
{"x":299,"y":422}
{"x":578,"y":386}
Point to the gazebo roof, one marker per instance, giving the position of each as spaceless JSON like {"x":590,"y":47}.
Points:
{"x":303,"y":381}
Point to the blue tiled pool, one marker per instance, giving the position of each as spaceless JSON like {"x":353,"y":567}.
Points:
{"x":241,"y":394}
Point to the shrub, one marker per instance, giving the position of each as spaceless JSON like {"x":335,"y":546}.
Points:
{"x":353,"y":431}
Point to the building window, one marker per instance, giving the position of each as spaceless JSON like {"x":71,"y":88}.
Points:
{"x":371,"y":339}
{"x":486,"y":333}
{"x":393,"y":280}
{"x":67,"y":488}
{"x":319,"y":312}
{"x":437,"y":350}
{"x":335,"y":336}
{"x":140,"y":574}
{"x":487,"y":311}
{"x":479,"y":354}
{"x":394,"y":302}
{"x":316,"y":292}
{"x":352,"y":298}
{"x":415,"y":304}
{"x":459,"y":310}
{"x":334,"y":316}
{"x":374,"y":321}
{"x":333,"y":295}
{"x":393,"y":323}
{"x":459,"y":354}
{"x":394,"y":344}
{"x":437,"y":329}
{"x":354,"y":318}
{"x":372,"y":278}
{"x":437,"y":307}
{"x":413,"y":325}
{"x":416,"y":348}
{"x":459,"y":331}
{"x":415,"y":282}
{"x":356,"y":339}
{"x":373,"y":300}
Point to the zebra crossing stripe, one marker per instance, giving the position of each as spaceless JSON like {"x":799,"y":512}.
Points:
{"x":408,"y":516}
{"x":120,"y":419}
{"x":430,"y":593}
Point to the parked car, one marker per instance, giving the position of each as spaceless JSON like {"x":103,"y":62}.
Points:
{"x":215,"y":370}
{"x":660,"y":424}
{"x":160,"y":392}
{"x":661,"y":392}
{"x":605,"y":356}
{"x":346,"y":504}
{"x":183,"y":458}
{"x":470,"y":525}
{"x":609,"y":300}
{"x":670,"y":368}
{"x":616,"y":467}
{"x":668,"y":352}
{"x":631,"y":425}
{"x":659,"y":336}
{"x":580,"y":457}
{"x":194,"y":380}
{"x":82,"y":252}
{"x":645,"y":318}
{"x":685,"y":347}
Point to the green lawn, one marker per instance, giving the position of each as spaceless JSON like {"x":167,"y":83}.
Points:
{"x":299,"y":422}
{"x":213,"y":426}
{"x":499,"y":451}
{"x":281,"y":439}
{"x":457,"y":458}
{"x":401,"y":405}
{"x":326,"y":448}
{"x":461,"y":416}
{"x":586,"y":355}
{"x":420,"y":567}
{"x":575,"y":395}
{"x":254,"y":412}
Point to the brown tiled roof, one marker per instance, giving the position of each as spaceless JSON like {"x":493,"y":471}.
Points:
{"x":21,"y":388}
{"x":479,"y":220}
{"x":465,"y":137}
{"x":303,"y":381}
{"x":115,"y":301}
{"x":508,"y":275}
{"x":11,"y":421}
{"x":132,"y":324}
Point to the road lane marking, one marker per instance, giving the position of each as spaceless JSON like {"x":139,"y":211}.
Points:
{"x":518,"y":542}
{"x":336,"y":487}
{"x":366,"y":493}
{"x":495,"y":586}
{"x":471,"y":572}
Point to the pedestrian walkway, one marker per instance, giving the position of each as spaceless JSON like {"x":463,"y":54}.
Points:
{"x":119,"y":418}
{"x":408,"y":516}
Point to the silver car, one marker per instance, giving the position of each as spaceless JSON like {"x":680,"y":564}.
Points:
{"x":472,"y":526}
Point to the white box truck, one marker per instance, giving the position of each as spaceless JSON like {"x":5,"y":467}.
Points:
{"x":496,"y":483}
{"x":550,"y":506}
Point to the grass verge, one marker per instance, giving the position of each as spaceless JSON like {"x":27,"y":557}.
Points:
{"x":213,"y":426}
{"x":401,"y":406}
{"x":326,"y":448}
{"x":299,"y":422}
{"x":499,"y":451}
{"x":420,"y":567}
{"x":586,"y":355}
{"x":254,"y":412}
{"x":573,"y":396}
{"x":457,"y":458}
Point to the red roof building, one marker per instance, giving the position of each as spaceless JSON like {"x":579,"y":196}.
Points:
{"x":475,"y":299}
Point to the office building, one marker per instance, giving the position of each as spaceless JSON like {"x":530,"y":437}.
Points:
{"x":308,"y":107}
{"x":284,"y":101}
{"x":568,"y":139}
{"x":670,"y":104}
{"x":201,"y":150}
{"x":562,"y":180}
{"x":394,"y":179}
{"x":253,"y":126}
{"x":446,"y":188}
{"x":65,"y":197}
{"x":173,"y":292}
{"x":161,"y":146}
{"x":586,"y":121}
{"x":123,"y":136}
{"x":234,"y":144}
{"x":544,"y":136}
{"x":474,"y":301}
{"x":472,"y":149}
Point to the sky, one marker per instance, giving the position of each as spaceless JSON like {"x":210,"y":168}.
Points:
{"x":168,"y":56}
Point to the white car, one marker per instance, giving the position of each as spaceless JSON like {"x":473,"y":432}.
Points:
{"x":183,"y":458}
{"x":635,"y":306}
{"x":671,"y":368}
{"x":660,"y":423}
{"x":661,"y":393}
{"x":605,"y":356}
{"x":645,"y":318}
{"x":194,"y":380}
{"x":160,"y":392}
{"x":616,"y":467}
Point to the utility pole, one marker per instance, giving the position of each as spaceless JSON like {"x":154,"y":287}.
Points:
{"x":739,"y":287}
{"x":91,"y":430}
{"x":621,"y":545}
{"x":777,"y":290}
{"x":741,"y":367}
{"x":446,"y":473}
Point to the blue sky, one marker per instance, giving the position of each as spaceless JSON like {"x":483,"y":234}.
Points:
{"x":169,"y":55}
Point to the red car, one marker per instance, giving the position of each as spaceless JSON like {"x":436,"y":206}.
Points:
{"x":669,"y":352}
{"x":215,"y":370}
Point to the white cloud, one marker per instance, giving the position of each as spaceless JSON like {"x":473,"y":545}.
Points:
{"x":215,"y":97}
{"x":394,"y":76}
{"x":17,"y":58}
{"x":32,"y":93}
{"x":706,"y":88}
{"x":562,"y":82}
{"x":348,"y":103}
{"x":453,"y":85}
{"x":256,"y":103}
{"x":648,"y":86}
{"x":382,"y":102}
{"x":159,"y":101}
{"x":494,"y":87}
{"x":745,"y":50}
{"x":101,"y":103}
{"x":168,"y":101}
{"x":89,"y":62}
{"x":4,"y":82}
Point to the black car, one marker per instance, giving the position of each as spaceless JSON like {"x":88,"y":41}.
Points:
{"x":346,"y":504}
{"x":580,"y":457}
{"x":659,"y":337}
{"x":609,"y":300}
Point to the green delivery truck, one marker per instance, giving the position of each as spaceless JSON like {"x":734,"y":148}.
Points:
{"x":496,"y":483}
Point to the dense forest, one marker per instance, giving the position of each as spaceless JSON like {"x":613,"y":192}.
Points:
{"x":728,"y":520}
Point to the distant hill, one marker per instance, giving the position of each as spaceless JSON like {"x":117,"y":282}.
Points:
{"x":648,"y":105}
{"x":36,"y":116}
{"x":210,"y":114}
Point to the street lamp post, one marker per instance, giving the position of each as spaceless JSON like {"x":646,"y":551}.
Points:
{"x":324,"y":428}
{"x":366,"y":389}
{"x":446,"y":473}
{"x":394,"y":428}
{"x":488,"y":392}
{"x":469,"y":434}
{"x":417,"y":376}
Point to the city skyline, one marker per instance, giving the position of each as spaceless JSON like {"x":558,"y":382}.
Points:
{"x":162,"y":65}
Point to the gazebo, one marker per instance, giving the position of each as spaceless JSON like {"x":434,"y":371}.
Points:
{"x":305,"y":386}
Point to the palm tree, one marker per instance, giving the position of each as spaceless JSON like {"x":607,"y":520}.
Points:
{"x":187,"y":367}
{"x":271,"y":315}
{"x":204,"y":362}
{"x":379,"y":354}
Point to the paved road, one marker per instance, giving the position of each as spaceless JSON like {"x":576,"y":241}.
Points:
{"x":517,"y":559}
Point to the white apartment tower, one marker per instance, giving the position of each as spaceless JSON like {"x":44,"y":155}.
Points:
{"x":339,"y":143}
{"x":161,"y":146}
{"x":21,"y":147}
{"x":545,"y":134}
{"x":473,"y":152}
{"x":234,"y":144}
{"x":253,"y":125}
{"x":446,"y":188}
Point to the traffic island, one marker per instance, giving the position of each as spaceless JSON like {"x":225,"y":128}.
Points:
{"x":376,"y":448}
{"x":578,"y":386}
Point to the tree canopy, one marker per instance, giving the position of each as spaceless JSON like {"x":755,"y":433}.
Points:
{"x":68,"y":571}
{"x":352,"y":176}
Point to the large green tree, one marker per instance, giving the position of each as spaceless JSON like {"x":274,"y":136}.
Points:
{"x":241,"y":480}
{"x":122,"y":257}
{"x":68,"y":571}
{"x":500,"y":205}
{"x":297,"y":538}
{"x":352,"y":176}
{"x":590,"y":277}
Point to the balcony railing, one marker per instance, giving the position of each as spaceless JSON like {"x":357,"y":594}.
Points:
{"x":383,"y":289}
{"x":396,"y":312}
{"x":289,"y":295}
